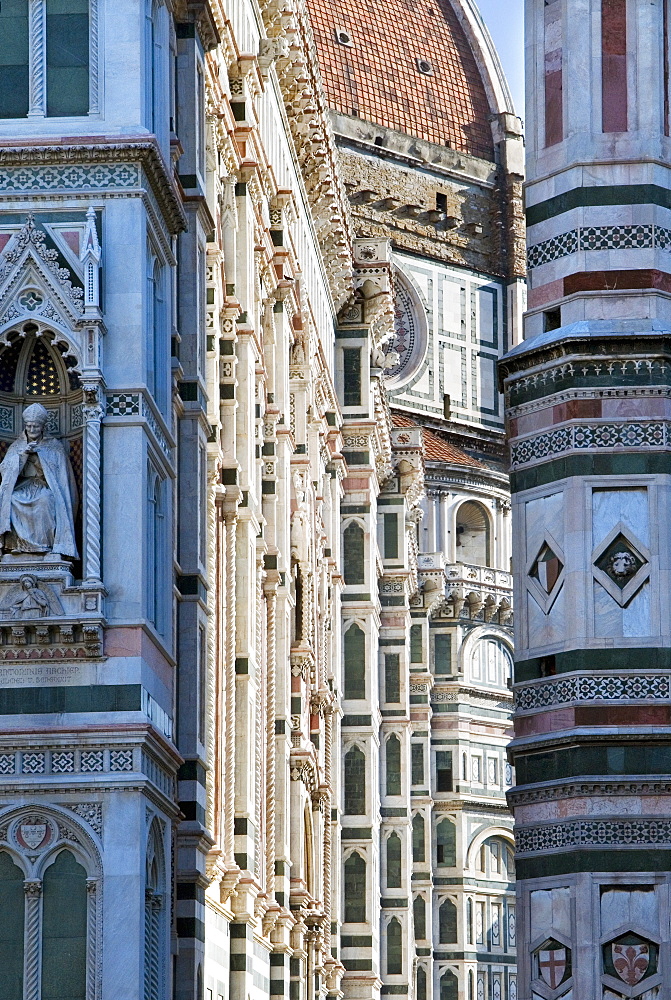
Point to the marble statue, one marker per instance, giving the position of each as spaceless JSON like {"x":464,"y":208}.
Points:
{"x":38,"y":494}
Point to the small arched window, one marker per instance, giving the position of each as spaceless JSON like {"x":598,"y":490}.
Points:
{"x":393,"y":765}
{"x":421,"y":983}
{"x":354,"y":653}
{"x":471,"y":987}
{"x":446,"y":843}
{"x":11,"y":928}
{"x":394,"y":861}
{"x":154,"y":902}
{"x":64,"y":912}
{"x":449,"y":986}
{"x":472,"y":529}
{"x":418,"y":838}
{"x":419,"y":917}
{"x":394,"y":947}
{"x":447,"y":922}
{"x":355,"y":889}
{"x":497,"y":859}
{"x":491,"y":661}
{"x":355,"y":782}
{"x":353,"y":555}
{"x":469,"y":920}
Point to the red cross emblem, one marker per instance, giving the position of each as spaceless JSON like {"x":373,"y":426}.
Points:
{"x":552,"y":966}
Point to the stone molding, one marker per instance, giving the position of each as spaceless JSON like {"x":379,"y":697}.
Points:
{"x":587,"y":789}
{"x":55,"y":167}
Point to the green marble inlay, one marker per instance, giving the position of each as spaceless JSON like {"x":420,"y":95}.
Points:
{"x":625,"y":658}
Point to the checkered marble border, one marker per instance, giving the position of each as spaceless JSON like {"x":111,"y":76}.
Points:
{"x":610,"y":687}
{"x":599,"y":238}
{"x":581,"y":437}
{"x":134,"y":404}
{"x":593,"y":833}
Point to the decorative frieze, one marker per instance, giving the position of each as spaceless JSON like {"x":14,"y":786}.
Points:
{"x":597,"y":436}
{"x":598,"y":238}
{"x":593,"y":833}
{"x":594,"y":687}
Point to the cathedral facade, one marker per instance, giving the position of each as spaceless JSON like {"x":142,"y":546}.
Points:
{"x":255,"y":591}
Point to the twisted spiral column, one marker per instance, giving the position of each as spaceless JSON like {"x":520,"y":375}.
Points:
{"x":37,"y":58}
{"x":328,"y":763}
{"x":230,"y":518}
{"x":33,"y":891}
{"x":93,"y":414}
{"x":94,"y":56}
{"x":271,"y":672}
{"x":91,"y":938}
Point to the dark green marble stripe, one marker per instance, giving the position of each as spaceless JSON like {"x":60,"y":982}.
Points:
{"x":631,"y":658}
{"x":57,"y":700}
{"x":587,"y":197}
{"x":601,"y":859}
{"x":594,"y":760}
{"x":621,"y":464}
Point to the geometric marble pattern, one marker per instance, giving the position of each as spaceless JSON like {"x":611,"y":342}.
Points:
{"x":599,"y":238}
{"x":606,"y":687}
{"x":547,"y":568}
{"x":593,"y":832}
{"x":581,"y":437}
{"x":71,"y":178}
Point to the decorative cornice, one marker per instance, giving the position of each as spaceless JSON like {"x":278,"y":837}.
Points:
{"x":141,"y":150}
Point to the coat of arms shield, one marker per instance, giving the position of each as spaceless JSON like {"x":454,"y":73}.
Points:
{"x":33,"y":834}
{"x":552,"y":966}
{"x":631,"y":962}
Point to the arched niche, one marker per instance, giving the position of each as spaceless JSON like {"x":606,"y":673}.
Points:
{"x":473,"y":534}
{"x":38,"y":366}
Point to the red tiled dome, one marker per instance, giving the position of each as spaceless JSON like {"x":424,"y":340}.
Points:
{"x":377,"y":76}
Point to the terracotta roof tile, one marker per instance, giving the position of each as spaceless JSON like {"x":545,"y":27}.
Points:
{"x":435,"y":448}
{"x":377,"y":77}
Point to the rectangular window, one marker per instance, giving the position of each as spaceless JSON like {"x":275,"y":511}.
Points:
{"x":392,"y":678}
{"x":417,"y":751}
{"x":416,"y":644}
{"x":614,"y":65}
{"x":442,"y":653}
{"x":391,"y":536}
{"x":443,"y":771}
{"x":479,"y":923}
{"x":351,"y":376}
{"x":67,"y":57}
{"x":14,"y":88}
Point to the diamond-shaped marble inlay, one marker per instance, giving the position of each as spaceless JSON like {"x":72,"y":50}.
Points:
{"x":547,"y":568}
{"x":620,"y":561}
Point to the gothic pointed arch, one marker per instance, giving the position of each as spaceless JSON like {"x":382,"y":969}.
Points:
{"x":155,"y":914}
{"x":58,"y":855}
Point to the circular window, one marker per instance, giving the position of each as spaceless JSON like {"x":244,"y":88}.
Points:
{"x":406,"y":351}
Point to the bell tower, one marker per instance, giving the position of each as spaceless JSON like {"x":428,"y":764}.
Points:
{"x":588,"y":396}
